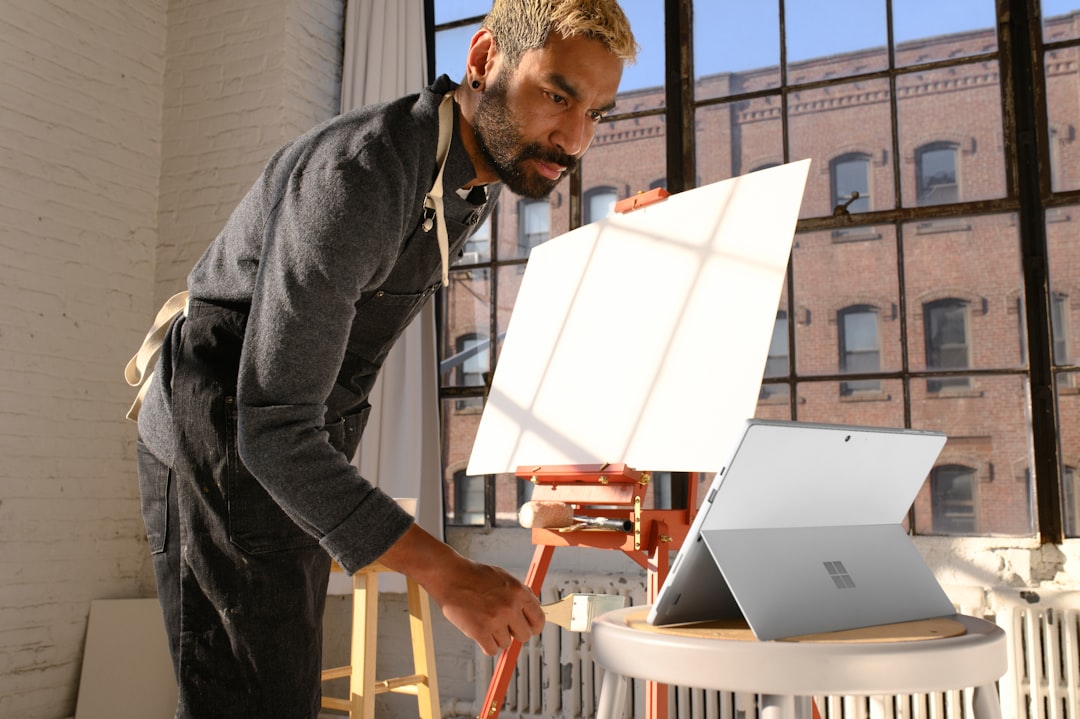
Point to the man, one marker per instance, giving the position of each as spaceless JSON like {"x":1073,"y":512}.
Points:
{"x":261,"y":389}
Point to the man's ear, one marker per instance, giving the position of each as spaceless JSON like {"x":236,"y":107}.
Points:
{"x":481,"y":58}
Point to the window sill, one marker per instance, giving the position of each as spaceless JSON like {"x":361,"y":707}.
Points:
{"x":865,"y":234}
{"x":956,"y":393}
{"x":866,"y":397}
{"x":937,"y":227}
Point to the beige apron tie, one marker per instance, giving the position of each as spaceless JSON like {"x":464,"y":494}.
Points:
{"x":137,"y":365}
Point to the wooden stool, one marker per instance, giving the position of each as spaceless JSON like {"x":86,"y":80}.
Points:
{"x":363,"y":686}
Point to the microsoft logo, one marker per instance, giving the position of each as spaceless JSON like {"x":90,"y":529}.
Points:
{"x":839,"y":575}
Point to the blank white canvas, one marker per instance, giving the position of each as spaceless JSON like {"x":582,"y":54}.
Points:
{"x":642,"y":338}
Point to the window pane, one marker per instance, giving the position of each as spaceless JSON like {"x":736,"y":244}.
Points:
{"x":1063,"y":109}
{"x":478,"y":247}
{"x":450,"y":10}
{"x":475,"y":361}
{"x":1059,"y":327}
{"x":1068,"y":410}
{"x":827,"y":402}
{"x":859,"y":329}
{"x":1070,"y":500}
{"x":521,"y":225}
{"x":463,"y":494}
{"x":868,"y":266}
{"x":599,"y":203}
{"x":626,"y":156}
{"x":947,"y":320}
{"x":843,"y":121}
{"x":507,"y":291}
{"x":777,"y":363}
{"x":647,"y":22}
{"x":510,"y":494}
{"x":1061,"y":20}
{"x":989,"y":431}
{"x":774,"y":402}
{"x":534,"y":225}
{"x":952,"y":500}
{"x":466,"y":312}
{"x":450,"y":49}
{"x":851,"y":182}
{"x":935,"y":170}
{"x":859,"y":348}
{"x":947,"y":343}
{"x":957,"y":107}
{"x":472,"y":365}
{"x":847,"y":37}
{"x":929,"y":30}
{"x":733,"y":139}
{"x":1063,"y":251}
{"x":973,"y":261}
{"x":736,"y":47}
{"x":467,"y":507}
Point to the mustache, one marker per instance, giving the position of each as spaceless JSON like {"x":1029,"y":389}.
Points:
{"x":534,"y":151}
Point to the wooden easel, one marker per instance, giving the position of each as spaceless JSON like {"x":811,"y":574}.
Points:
{"x":613,"y":491}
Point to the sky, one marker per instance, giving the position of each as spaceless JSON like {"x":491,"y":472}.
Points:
{"x":736,"y":35}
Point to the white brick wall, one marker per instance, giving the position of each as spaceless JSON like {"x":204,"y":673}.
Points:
{"x":241,"y":78}
{"x":128,"y":130}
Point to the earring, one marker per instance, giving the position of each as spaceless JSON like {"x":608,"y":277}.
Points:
{"x":476,"y":84}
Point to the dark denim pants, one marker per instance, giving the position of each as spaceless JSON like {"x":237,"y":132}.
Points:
{"x":242,"y":587}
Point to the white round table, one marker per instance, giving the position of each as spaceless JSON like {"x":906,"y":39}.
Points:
{"x":788,"y":673}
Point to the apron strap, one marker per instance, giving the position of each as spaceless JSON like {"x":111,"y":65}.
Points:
{"x":434,"y":199}
{"x":137,"y":365}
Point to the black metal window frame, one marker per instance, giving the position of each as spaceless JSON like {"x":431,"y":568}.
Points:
{"x":1029,"y":196}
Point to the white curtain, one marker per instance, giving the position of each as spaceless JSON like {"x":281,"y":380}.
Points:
{"x":385,"y":52}
{"x":385,"y":58}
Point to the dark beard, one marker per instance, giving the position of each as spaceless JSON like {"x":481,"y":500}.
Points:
{"x":499,"y":139}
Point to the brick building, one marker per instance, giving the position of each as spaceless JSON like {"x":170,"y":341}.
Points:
{"x":924,"y":291}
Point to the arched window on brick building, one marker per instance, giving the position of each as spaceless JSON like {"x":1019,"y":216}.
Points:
{"x":472,"y":363}
{"x":947,"y":341}
{"x":849,"y":174}
{"x":599,"y":203}
{"x":952,"y":499}
{"x":860,"y":350}
{"x":534,"y":224}
{"x":936,"y":174}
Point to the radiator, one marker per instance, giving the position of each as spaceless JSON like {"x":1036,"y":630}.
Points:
{"x":1042,"y":682}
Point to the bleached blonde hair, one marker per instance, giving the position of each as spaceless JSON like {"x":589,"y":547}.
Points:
{"x":518,"y":26}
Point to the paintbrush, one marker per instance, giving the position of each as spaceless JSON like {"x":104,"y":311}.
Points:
{"x":575,"y":612}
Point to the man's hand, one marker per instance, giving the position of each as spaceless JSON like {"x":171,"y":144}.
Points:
{"x":486,"y":603}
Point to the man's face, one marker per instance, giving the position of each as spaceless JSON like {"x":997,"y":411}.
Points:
{"x":533,"y":122}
